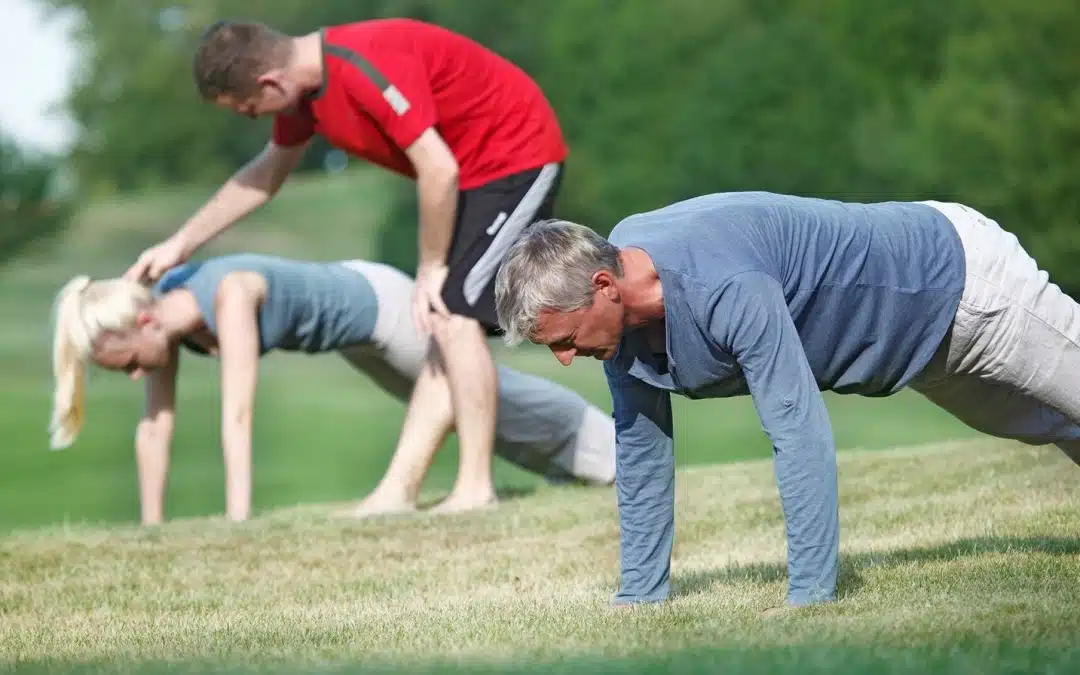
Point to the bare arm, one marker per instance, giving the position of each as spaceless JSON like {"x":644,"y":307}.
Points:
{"x":436,"y":191}
{"x":249,"y":188}
{"x":153,"y":436}
{"x":437,"y":196}
{"x":238,"y":300}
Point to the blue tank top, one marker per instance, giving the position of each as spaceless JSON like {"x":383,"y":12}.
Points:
{"x":309,"y":307}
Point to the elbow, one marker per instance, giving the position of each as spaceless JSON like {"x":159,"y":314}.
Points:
{"x":442,"y":176}
{"x":263,"y":175}
{"x":275,"y":181}
{"x":451,"y":174}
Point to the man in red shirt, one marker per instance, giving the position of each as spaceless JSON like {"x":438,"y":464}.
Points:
{"x":485,"y":149}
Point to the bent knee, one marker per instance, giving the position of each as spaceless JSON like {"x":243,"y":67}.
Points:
{"x":455,"y":327}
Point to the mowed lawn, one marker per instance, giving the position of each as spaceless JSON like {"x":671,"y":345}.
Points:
{"x":960,"y":557}
{"x":322,"y":432}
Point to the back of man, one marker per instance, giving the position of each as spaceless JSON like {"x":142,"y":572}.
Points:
{"x":410,"y":75}
{"x":871,"y":288}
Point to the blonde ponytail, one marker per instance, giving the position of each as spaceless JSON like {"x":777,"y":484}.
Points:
{"x":69,"y":365}
{"x":85,"y":310}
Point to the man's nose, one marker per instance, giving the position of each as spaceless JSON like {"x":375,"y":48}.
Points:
{"x":565,"y":356}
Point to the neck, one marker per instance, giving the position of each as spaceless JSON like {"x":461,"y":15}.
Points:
{"x":178,"y":314}
{"x":639,"y":289}
{"x":306,"y":64}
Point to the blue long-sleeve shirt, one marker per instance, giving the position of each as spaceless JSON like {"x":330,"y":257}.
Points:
{"x":780,"y":298}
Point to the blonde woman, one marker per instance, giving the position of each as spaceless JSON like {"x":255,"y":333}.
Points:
{"x":240,"y":307}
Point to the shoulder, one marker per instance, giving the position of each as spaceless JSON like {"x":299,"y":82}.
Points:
{"x":694,"y":210}
{"x":210,"y":273}
{"x":364,"y":59}
{"x":749,"y":297}
{"x":379,"y":34}
{"x":177,"y":277}
{"x":628,"y":230}
{"x":745,"y":286}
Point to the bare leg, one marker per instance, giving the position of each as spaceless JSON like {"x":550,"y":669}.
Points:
{"x":152,"y":462}
{"x":470,"y":370}
{"x":428,"y":420}
{"x":540,"y":426}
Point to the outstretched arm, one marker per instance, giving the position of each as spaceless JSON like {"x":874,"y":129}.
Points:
{"x":751,"y":320}
{"x":644,"y":486}
{"x":238,"y":299}
{"x":437,"y":196}
{"x":153,"y":437}
{"x":247,"y":190}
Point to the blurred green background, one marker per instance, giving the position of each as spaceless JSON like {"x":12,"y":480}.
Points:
{"x":868,"y":100}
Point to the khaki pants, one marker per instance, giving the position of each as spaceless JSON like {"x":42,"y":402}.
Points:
{"x":541,"y":426}
{"x":1010,"y":365}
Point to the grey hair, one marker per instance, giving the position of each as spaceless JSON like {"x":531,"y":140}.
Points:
{"x":550,"y":267}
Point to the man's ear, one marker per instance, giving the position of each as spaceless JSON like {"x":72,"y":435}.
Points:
{"x":603,"y":281}
{"x":273,"y":78}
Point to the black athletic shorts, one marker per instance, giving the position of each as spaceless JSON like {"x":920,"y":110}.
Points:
{"x":490,"y":218}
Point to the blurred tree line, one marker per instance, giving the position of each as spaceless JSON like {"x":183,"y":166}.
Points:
{"x":972,"y":100}
{"x":34,"y":206}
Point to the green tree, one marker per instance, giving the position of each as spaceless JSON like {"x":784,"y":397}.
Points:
{"x":32,"y":211}
{"x":965,"y":100}
{"x":1000,"y":127}
{"x":142,"y":123}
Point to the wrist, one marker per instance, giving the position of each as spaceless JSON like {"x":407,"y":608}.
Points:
{"x":183,"y":243}
{"x":432,"y":264}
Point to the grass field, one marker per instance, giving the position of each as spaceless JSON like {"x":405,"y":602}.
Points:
{"x":960,"y":555}
{"x":321,"y":432}
{"x":960,"y":558}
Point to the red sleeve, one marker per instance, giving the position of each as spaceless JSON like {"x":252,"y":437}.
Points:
{"x":293,"y":129}
{"x":393,"y":89}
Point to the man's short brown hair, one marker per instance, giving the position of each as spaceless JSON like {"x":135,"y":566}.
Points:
{"x":233,"y":55}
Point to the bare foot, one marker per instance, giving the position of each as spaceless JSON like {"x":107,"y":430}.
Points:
{"x":458,"y":504}
{"x":376,"y":504}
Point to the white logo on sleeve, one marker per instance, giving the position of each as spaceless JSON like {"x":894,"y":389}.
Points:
{"x":396,"y":99}
{"x":499,"y":220}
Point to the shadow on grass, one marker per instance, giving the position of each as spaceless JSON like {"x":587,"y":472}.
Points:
{"x":505,"y":494}
{"x":850,"y":580}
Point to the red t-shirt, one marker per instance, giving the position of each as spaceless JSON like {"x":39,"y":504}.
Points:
{"x":388,"y":80}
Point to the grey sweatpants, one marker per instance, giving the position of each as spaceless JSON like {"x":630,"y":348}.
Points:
{"x":1010,"y":365}
{"x":541,"y":426}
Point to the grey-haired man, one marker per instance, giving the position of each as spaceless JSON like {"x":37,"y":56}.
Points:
{"x":783,"y":297}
